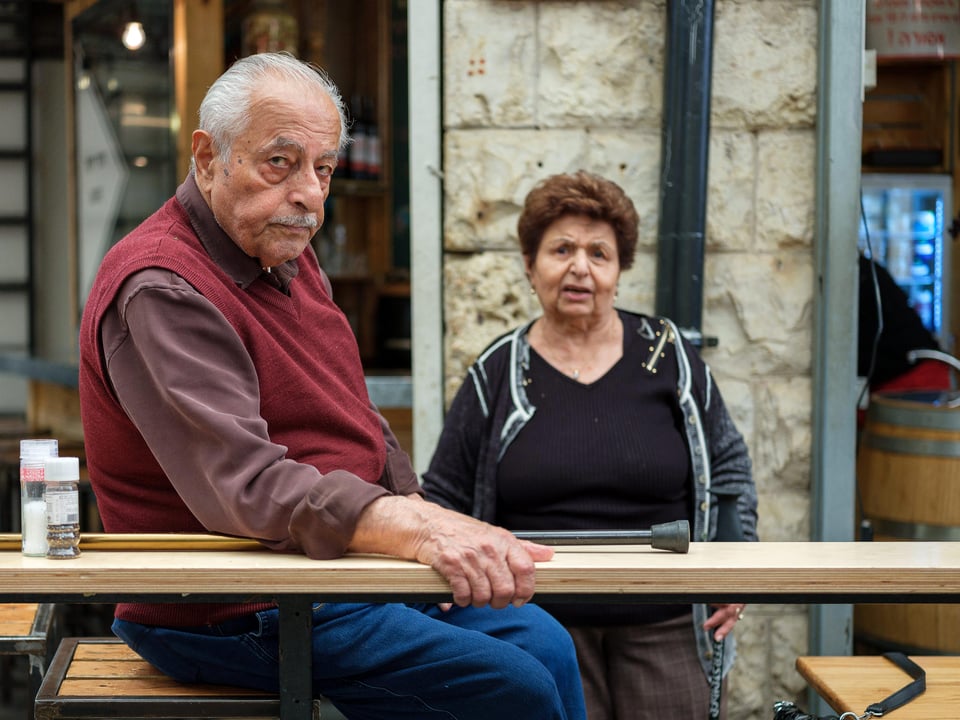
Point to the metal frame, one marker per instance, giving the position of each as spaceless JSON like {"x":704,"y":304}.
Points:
{"x":39,"y":646}
{"x":834,"y":402}
{"x":426,"y":226}
{"x":52,"y":704}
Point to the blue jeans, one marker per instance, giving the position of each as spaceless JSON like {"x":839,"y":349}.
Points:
{"x":377,"y":661}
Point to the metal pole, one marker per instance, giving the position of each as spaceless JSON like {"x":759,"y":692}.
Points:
{"x":684,"y":159}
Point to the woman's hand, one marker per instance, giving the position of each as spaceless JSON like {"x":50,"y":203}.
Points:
{"x":724,"y":618}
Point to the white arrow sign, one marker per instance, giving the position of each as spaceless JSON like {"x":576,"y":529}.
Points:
{"x":102,"y":176}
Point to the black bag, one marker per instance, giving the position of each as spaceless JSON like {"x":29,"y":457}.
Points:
{"x":783,"y":710}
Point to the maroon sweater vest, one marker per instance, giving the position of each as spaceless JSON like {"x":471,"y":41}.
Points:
{"x":315,"y":380}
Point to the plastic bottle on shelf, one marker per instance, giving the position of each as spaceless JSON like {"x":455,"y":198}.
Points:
{"x":343,"y":162}
{"x":900,"y":257}
{"x":270,"y":27}
{"x":33,"y":505}
{"x":337,"y":264}
{"x":923,"y":305}
{"x":374,"y":148}
{"x":357,"y":155}
{"x":62,"y":480}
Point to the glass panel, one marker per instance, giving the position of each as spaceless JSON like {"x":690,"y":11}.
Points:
{"x":14,"y":311}
{"x":13,"y":250}
{"x":126,"y":124}
{"x":12,"y":70}
{"x":13,"y":115}
{"x":13,"y":199}
{"x":903,"y":221}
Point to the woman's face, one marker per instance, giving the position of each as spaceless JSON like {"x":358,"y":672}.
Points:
{"x":576,"y":269}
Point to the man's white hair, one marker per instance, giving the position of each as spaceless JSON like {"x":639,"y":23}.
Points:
{"x":225,"y":110}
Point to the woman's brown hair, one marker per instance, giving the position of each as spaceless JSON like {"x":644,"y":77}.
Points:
{"x":579,"y":193}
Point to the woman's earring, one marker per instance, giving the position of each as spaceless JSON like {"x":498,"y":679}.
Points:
{"x":532,"y":290}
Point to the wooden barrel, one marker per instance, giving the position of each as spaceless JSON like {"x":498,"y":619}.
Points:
{"x":908,"y":478}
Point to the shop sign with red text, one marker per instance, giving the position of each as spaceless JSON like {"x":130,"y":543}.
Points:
{"x":913,"y":28}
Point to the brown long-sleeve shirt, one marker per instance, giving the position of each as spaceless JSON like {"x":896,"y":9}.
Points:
{"x":161,"y":330}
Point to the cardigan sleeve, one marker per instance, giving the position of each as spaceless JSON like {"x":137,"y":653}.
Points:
{"x":451,"y":478}
{"x":731,"y":470}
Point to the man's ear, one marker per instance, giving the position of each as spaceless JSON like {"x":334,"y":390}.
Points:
{"x":203,"y":154}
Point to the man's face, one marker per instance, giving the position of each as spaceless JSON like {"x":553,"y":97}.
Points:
{"x":268,"y":197}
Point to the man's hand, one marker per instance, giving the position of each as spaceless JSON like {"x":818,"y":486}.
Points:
{"x":484,"y":564}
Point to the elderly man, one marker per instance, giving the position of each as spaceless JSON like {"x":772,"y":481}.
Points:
{"x":222,"y":391}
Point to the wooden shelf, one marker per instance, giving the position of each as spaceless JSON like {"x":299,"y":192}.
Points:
{"x":395,"y":289}
{"x":907,"y":118}
{"x":359,"y":188}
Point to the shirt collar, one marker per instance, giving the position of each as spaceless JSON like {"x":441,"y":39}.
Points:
{"x":242,"y":268}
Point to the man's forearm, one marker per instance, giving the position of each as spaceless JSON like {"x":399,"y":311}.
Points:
{"x":392,"y":525}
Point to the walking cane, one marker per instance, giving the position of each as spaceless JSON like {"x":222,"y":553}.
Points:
{"x":672,"y":536}
{"x":728,"y":530}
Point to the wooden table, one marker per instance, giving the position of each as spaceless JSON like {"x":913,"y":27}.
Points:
{"x":851,"y":684}
{"x":749,"y":572}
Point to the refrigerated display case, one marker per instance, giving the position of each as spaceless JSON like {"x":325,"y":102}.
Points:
{"x":904,"y":227}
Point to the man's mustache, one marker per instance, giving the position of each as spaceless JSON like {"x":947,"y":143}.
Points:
{"x":307,"y":221}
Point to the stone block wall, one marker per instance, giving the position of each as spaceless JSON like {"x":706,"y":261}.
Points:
{"x":535,"y":87}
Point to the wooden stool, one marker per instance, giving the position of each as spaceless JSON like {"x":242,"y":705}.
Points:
{"x":29,"y":629}
{"x":851,"y":684}
{"x":103,"y":678}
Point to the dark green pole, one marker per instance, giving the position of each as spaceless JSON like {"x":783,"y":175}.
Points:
{"x":684,"y":160}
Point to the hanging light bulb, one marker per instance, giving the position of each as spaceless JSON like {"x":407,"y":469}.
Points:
{"x":133,"y":36}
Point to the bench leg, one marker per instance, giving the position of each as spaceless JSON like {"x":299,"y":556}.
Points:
{"x":35,"y":677}
{"x":296,"y":657}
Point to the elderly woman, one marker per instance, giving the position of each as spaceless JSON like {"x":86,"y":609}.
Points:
{"x":590,"y":417}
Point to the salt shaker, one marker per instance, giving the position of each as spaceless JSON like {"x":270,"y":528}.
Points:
{"x":62,"y":479}
{"x":33,"y":506}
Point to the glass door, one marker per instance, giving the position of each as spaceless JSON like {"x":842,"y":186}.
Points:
{"x":125,"y":123}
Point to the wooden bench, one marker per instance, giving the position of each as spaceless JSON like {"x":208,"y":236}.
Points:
{"x":851,"y":684}
{"x":103,"y":678}
{"x":30,"y":630}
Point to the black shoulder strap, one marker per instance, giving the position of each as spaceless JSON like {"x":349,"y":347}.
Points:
{"x":784,"y":710}
{"x":907,"y":692}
